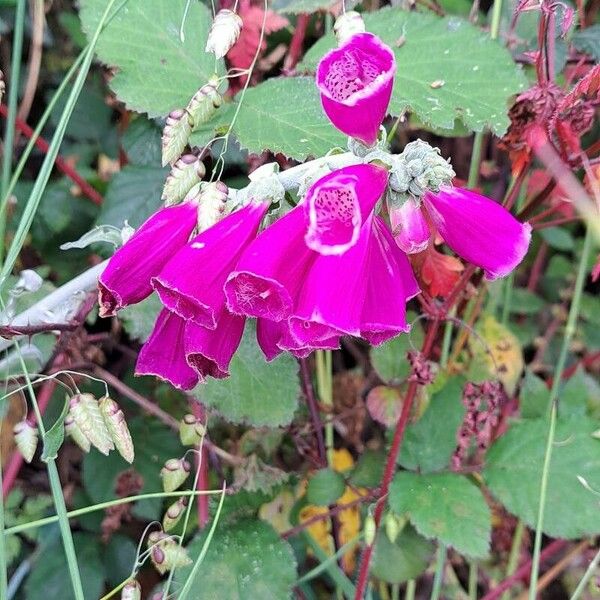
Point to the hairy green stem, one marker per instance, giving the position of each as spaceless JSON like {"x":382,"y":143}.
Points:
{"x":553,"y":402}
{"x":439,"y":572}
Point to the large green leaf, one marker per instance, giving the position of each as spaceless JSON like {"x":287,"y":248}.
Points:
{"x":245,"y":559}
{"x":138,"y":319}
{"x":430,"y":442}
{"x":478,"y":74}
{"x":257,"y":392}
{"x":514,"y":469}
{"x":157,"y":72}
{"x":445,"y":506}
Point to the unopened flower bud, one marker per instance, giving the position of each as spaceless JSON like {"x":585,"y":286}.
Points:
{"x":174,"y":514}
{"x":347,"y":25}
{"x":174,"y":473}
{"x":176,"y":134}
{"x":74,"y":431}
{"x":86,"y":413}
{"x":224,"y":32}
{"x":191,"y":430}
{"x":26,"y":439}
{"x":369,"y":530}
{"x":212,"y":204}
{"x":116,"y":424}
{"x":204,"y":103}
{"x":131,"y":591}
{"x":184,"y":175}
{"x":393,"y":526}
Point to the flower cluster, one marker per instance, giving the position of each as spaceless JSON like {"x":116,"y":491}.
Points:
{"x":327,"y":268}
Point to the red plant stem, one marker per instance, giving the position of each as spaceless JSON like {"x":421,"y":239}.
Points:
{"x":555,"y":223}
{"x":202,"y":461}
{"x":16,"y":460}
{"x":537,"y":268}
{"x":60,"y":162}
{"x":523,"y":571}
{"x":295,"y":49}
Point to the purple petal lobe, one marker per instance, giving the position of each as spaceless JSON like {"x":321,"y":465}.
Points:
{"x":338,"y":204}
{"x":479,"y":230}
{"x":126,"y":279}
{"x":191,"y":283}
{"x":409,"y":227}
{"x":271,"y":270}
{"x":355,"y":82}
{"x":210,"y":352}
{"x":163,"y":354}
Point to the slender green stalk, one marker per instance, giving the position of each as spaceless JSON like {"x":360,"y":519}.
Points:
{"x":325,"y":388}
{"x":116,"y":589}
{"x":589,"y":573}
{"x":439,"y":572}
{"x":395,"y":591}
{"x":3,"y":561}
{"x":513,"y":557}
{"x":496,"y":14}
{"x":48,"y":164}
{"x":13,"y":99}
{"x":192,"y":576}
{"x":553,"y":402}
{"x":472,"y":591}
{"x":411,"y":588}
{"x":447,"y":339}
{"x":475,"y":159}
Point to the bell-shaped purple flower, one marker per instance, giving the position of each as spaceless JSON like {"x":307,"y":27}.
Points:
{"x":126,"y":279}
{"x":479,"y":229}
{"x":163,"y":354}
{"x":409,"y":227}
{"x":339,"y":203}
{"x":209,"y":352}
{"x":271,"y":270}
{"x":355,"y":82}
{"x":191,"y":283}
{"x":391,"y":284}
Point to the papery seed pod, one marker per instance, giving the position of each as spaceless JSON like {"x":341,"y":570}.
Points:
{"x":174,"y":473}
{"x":166,"y":554}
{"x":191,"y":430}
{"x":86,"y":413}
{"x":347,"y":25}
{"x":174,"y":514}
{"x":224,"y":32}
{"x":393,"y":526}
{"x":131,"y":591}
{"x":175,"y":136}
{"x":74,"y":431}
{"x":184,"y":175}
{"x":212,"y":204}
{"x":26,"y":439}
{"x":157,"y":556}
{"x":116,"y":424}
{"x":204,"y":103}
{"x":369,"y":530}
{"x":175,"y":556}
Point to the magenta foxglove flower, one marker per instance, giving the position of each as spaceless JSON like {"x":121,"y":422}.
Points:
{"x":391,"y":284}
{"x":339,"y":203}
{"x":126,"y":279}
{"x":209,"y":352}
{"x":271,"y":270}
{"x":191,"y":283}
{"x":355,"y":82}
{"x":478,"y":229}
{"x":409,"y":227}
{"x":163,"y":354}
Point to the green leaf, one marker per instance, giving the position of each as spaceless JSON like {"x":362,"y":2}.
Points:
{"x":49,"y":576}
{"x":558,"y":238}
{"x":284,"y":115}
{"x":247,"y":559}
{"x":574,"y":395}
{"x":55,"y":436}
{"x":157,"y":72}
{"x":297,"y":7}
{"x":445,"y":506}
{"x":588,"y":40}
{"x":325,"y":487}
{"x":534,"y":396}
{"x":257,"y":392}
{"x":429,"y":443}
{"x":369,"y":469}
{"x":404,"y":559}
{"x":523,"y":302}
{"x":389,"y":359}
{"x":514,"y":469}
{"x":141,"y":142}
{"x":133,"y":195}
{"x":479,"y":75}
{"x":138,"y":319}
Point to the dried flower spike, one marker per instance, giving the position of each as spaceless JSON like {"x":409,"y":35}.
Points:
{"x":26,"y":439}
{"x":224,"y":32}
{"x":174,"y":473}
{"x":74,"y":431}
{"x":176,"y":134}
{"x":212,"y":204}
{"x":86,"y":413}
{"x":114,"y":420}
{"x":131,"y":591}
{"x":204,"y":103}
{"x":185,"y":174}
{"x":191,"y":430}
